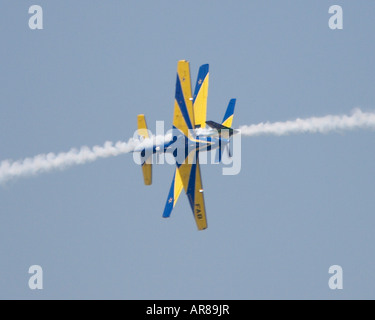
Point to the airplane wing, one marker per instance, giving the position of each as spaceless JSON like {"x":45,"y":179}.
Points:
{"x":188,"y":176}
{"x":200,"y":97}
{"x":147,"y":165}
{"x":192,"y":182}
{"x":173,"y":194}
{"x":183,"y":117}
{"x":195,"y":195}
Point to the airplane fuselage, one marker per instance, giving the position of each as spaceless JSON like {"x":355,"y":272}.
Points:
{"x":180,"y":146}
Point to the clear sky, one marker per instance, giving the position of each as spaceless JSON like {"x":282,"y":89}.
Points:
{"x":300,"y":204}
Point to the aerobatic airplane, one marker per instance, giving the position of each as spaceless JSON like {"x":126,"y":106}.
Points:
{"x":190,"y":136}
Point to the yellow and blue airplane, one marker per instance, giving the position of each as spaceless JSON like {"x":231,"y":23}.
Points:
{"x":190,"y":136}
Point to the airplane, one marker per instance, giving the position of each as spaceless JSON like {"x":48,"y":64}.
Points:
{"x":189,"y":137}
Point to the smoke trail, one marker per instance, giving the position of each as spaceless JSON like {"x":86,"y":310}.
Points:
{"x":50,"y":161}
{"x":47,"y":162}
{"x":356,"y":120}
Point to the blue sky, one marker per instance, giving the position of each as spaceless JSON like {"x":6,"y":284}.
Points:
{"x":300,"y":204}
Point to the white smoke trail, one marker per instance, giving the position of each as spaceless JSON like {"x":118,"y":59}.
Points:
{"x":358,"y":119}
{"x":47,"y":162}
{"x":50,"y":161}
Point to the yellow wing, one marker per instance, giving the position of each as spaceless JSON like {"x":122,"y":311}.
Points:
{"x":188,"y":176}
{"x":174,"y":193}
{"x":147,"y":165}
{"x":196,"y":187}
{"x":183,"y":117}
{"x":191,"y":179}
{"x":200,"y":97}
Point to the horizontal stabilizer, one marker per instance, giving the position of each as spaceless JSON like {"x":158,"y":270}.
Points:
{"x":217,"y":126}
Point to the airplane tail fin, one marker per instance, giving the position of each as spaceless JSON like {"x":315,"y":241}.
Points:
{"x":228,"y":117}
{"x":224,"y":129}
{"x":146,"y":165}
